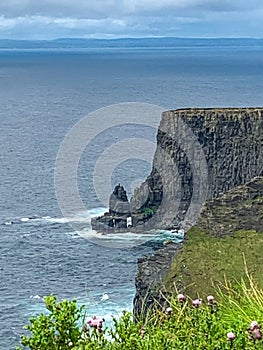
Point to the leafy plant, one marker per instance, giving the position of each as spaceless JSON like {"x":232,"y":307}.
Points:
{"x":56,"y":330}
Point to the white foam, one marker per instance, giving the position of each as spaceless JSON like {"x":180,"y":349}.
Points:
{"x":35,"y":297}
{"x":105,"y":297}
{"x":82,"y":217}
{"x":8,"y":223}
{"x":125,"y":238}
{"x":24,"y":219}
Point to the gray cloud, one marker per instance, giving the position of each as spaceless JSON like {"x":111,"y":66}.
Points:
{"x":109,"y":18}
{"x":115,"y":8}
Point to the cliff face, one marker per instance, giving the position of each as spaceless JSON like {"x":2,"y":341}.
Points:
{"x":202,"y":154}
{"x":149,"y":281}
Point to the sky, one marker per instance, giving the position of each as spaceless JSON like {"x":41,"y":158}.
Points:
{"x":51,"y":19}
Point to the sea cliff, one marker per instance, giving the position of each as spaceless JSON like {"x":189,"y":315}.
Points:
{"x":200,"y":154}
{"x":218,"y":151}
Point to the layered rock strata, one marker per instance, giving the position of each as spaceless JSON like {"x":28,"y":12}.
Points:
{"x":200,"y":154}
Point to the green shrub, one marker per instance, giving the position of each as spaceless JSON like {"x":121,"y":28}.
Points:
{"x":58,"y":329}
{"x":220,"y":324}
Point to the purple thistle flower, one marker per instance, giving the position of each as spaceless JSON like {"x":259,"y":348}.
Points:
{"x":253,"y":325}
{"x":231,"y":336}
{"x":257,"y":333}
{"x":196,"y":303}
{"x":181,"y":298}
{"x":169,"y":311}
{"x":210,"y":299}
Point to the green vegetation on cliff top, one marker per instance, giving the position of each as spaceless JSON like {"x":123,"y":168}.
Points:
{"x":229,"y":229}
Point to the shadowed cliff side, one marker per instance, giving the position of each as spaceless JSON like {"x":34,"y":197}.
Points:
{"x":201,"y":153}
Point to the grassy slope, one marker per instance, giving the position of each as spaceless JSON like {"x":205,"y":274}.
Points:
{"x":230,"y":228}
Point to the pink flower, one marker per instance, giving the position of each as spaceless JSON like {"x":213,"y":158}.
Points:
{"x":169,"y":311}
{"x":210,"y":299}
{"x":196,"y":303}
{"x":231,"y":336}
{"x":181,"y":298}
{"x":257,"y":333}
{"x":96,"y":322}
{"x":255,"y":330}
{"x":254,"y":324}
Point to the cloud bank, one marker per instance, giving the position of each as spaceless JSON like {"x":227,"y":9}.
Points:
{"x":48,"y":19}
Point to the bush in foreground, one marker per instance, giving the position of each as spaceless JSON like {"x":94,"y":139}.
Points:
{"x":232,"y":320}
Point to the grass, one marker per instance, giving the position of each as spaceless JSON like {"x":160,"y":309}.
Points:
{"x":229,"y":228}
{"x":206,"y":260}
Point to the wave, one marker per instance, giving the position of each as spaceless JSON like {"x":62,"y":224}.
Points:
{"x":81,"y":224}
{"x":130,"y":239}
{"x":82,"y":217}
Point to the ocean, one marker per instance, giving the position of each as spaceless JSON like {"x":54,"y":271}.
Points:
{"x":44,"y":93}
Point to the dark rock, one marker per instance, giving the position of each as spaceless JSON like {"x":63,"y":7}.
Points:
{"x":149,"y":286}
{"x":223,"y":143}
{"x":118,"y":203}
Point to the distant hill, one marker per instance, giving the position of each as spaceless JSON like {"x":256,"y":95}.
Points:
{"x":75,"y":43}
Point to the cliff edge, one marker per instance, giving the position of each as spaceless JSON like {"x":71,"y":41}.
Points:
{"x":217,"y":152}
{"x":201,"y":153}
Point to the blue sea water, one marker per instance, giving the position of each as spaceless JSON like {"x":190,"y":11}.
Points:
{"x":43,"y":94}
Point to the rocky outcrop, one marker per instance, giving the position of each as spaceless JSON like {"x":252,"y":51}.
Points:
{"x":240,"y":208}
{"x":119,"y":204}
{"x":122,"y":217}
{"x":119,"y":211}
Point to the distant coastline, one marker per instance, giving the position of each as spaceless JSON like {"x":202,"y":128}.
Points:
{"x":152,"y":42}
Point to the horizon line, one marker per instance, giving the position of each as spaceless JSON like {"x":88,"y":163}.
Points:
{"x":138,"y":38}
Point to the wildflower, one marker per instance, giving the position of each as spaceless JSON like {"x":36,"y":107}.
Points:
{"x":210,"y":299}
{"x":255,"y":330}
{"x":257,"y":333}
{"x":231,"y":336}
{"x":196,"y":303}
{"x":96,"y":323}
{"x":169,"y":311}
{"x":181,"y":298}
{"x":253,"y":325}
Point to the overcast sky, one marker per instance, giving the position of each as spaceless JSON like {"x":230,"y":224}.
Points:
{"x":49,"y":19}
